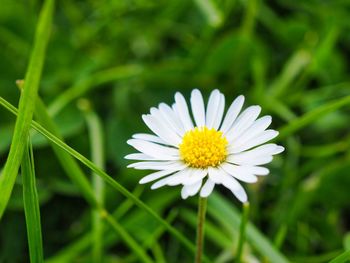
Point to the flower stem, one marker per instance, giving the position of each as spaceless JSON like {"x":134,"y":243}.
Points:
{"x":241,"y":240}
{"x":202,"y":206}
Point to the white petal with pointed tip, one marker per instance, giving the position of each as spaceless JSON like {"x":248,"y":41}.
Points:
{"x":158,"y":165}
{"x":195,"y":176}
{"x":254,"y":130}
{"x":165,"y":133}
{"x":232,"y":114}
{"x":182,"y":111}
{"x":169,"y":113}
{"x":148,"y":137}
{"x":240,"y":172}
{"x":193,"y":188}
{"x":154,"y":150}
{"x":207,"y":188}
{"x":139,"y":157}
{"x":197,"y":105}
{"x":156,"y":175}
{"x":179,"y":177}
{"x":212,"y":108}
{"x":235,"y":188}
{"x":262,"y":138}
{"x":243,"y":122}
{"x":219,"y":113}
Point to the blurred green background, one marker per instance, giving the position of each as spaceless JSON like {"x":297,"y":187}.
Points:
{"x":123,"y":57}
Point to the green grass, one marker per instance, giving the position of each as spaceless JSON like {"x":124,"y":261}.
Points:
{"x":26,"y":105}
{"x":31,"y":206}
{"x":122,"y":57}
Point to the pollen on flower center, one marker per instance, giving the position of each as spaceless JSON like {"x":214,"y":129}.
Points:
{"x":203,"y":147}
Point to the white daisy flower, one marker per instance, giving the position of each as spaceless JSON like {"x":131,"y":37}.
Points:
{"x":207,"y":151}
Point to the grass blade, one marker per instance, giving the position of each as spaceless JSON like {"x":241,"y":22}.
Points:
{"x":31,"y":206}
{"x":342,"y":258}
{"x":211,"y":12}
{"x":97,"y":156}
{"x":223,"y":211}
{"x":311,"y":116}
{"x":129,"y":240}
{"x":26,"y":104}
{"x":114,"y":184}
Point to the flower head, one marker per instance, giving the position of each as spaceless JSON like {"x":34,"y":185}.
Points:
{"x":211,"y":150}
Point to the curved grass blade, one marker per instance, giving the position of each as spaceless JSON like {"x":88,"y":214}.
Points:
{"x":114,"y":184}
{"x":31,"y":206}
{"x":311,"y":116}
{"x":342,"y":258}
{"x":26,"y":104}
{"x":96,"y":139}
{"x":129,"y":240}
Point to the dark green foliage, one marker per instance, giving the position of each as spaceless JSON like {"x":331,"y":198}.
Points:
{"x":290,"y":57}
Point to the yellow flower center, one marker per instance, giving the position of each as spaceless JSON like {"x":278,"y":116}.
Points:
{"x":203,"y":147}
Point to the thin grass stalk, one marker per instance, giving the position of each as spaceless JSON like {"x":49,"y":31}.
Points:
{"x":31,"y":206}
{"x":129,"y":240}
{"x":96,"y":139}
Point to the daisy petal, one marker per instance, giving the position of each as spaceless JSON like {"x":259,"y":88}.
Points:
{"x":212,"y":108}
{"x":262,"y":138}
{"x":156,"y":114}
{"x":193,"y":188}
{"x":235,"y":187}
{"x":160,"y":183}
{"x":230,"y":182}
{"x":207,"y":188}
{"x":148,"y":137}
{"x":241,"y":195}
{"x":158,"y":165}
{"x":257,"y":170}
{"x":232,"y":113}
{"x":255,"y":129}
{"x":219,"y":113}
{"x":163,"y":124}
{"x":263,"y":150}
{"x":278,"y":149}
{"x":173,"y":120}
{"x":139,"y":157}
{"x":197,"y":105}
{"x":214,"y":175}
{"x":179,"y":177}
{"x":243,"y":122}
{"x":182,"y":111}
{"x":262,"y":160}
{"x":240,"y":172}
{"x":184,"y":193}
{"x":155,"y":150}
{"x":196,"y":175}
{"x":248,"y":161}
{"x":154,"y":176}
{"x":159,"y":128}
